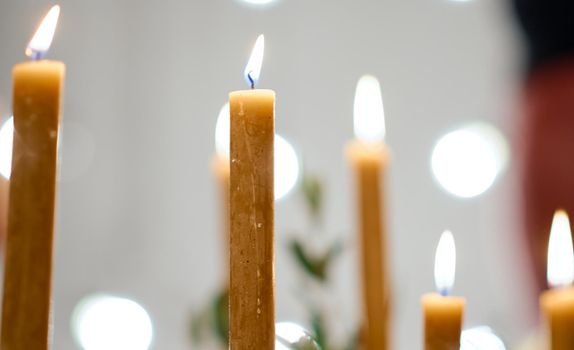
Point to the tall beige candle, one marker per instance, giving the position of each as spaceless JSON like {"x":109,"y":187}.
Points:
{"x":220,"y":168}
{"x":252,"y":283}
{"x":369,"y":158}
{"x":443,"y":314}
{"x":557,"y":304}
{"x":28,"y":271}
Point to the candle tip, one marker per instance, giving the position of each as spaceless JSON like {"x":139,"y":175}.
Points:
{"x":445,"y":263}
{"x":42,"y":39}
{"x":253,"y":67}
{"x":368,"y":111}
{"x":560,"y":269}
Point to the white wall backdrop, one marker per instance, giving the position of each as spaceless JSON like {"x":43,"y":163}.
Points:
{"x":145,"y":81}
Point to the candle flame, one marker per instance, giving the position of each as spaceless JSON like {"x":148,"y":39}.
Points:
{"x":222,"y":132}
{"x":445,"y":263}
{"x":560,"y":269}
{"x":369,"y":115}
{"x":253,"y":67}
{"x":42,"y":39}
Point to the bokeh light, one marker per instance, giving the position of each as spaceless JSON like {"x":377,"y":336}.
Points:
{"x":6,"y":139}
{"x":291,"y":336}
{"x":286,"y":167}
{"x":222,"y":131}
{"x":103,"y":322}
{"x":480,"y":338}
{"x":467,"y":161}
{"x":258,"y":2}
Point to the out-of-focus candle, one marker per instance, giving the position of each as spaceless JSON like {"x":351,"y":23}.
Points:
{"x":558,"y":303}
{"x":252,"y":283}
{"x":6,"y":140}
{"x":443,"y":314}
{"x":37,"y":91}
{"x":220,"y":167}
{"x":369,"y":158}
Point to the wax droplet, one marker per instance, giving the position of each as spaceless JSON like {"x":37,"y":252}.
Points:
{"x":258,"y":301}
{"x":258,"y":311}
{"x":259,"y":225}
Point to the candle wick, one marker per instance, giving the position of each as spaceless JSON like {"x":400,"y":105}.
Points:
{"x":251,"y":80}
{"x":35,"y":55}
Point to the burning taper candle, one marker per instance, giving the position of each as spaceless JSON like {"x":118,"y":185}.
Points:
{"x":443,"y":313}
{"x":37,"y":92}
{"x":369,"y":158}
{"x":252,"y":280}
{"x":558,"y":303}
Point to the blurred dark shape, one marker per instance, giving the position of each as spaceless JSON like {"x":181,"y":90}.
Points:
{"x":549,"y":28}
{"x":547,"y":141}
{"x":548,"y":163}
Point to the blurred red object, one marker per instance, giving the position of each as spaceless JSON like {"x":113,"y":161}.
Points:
{"x":548,"y":154}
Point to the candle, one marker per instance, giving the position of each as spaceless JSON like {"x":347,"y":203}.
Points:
{"x":369,"y":158}
{"x":252,"y":282}
{"x":558,"y":303}
{"x":220,"y":168}
{"x":443,"y":313}
{"x":28,"y":263}
{"x":6,"y":140}
{"x":4,"y":190}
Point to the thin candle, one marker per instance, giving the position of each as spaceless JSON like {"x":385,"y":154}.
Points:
{"x":369,"y":158}
{"x":443,"y":313}
{"x":37,"y":88}
{"x":220,"y":168}
{"x":558,"y":303}
{"x":252,"y":242}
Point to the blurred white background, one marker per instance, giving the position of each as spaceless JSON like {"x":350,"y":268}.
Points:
{"x":138,"y":203}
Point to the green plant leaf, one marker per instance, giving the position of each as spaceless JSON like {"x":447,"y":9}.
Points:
{"x":313,"y":190}
{"x":317,"y":267}
{"x":319,"y":330}
{"x":220,"y":312}
{"x":310,"y":266}
{"x":199,"y":324}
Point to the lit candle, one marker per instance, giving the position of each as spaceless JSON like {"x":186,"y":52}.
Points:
{"x":558,"y":303}
{"x":28,"y":270}
{"x":369,"y":158}
{"x":220,"y":168}
{"x":443,"y":313}
{"x":252,"y":282}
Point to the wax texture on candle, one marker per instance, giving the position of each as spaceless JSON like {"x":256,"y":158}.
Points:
{"x":220,"y":167}
{"x":369,"y":162}
{"x":558,"y":307}
{"x":28,"y":270}
{"x":443,"y":318}
{"x":252,"y":244}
